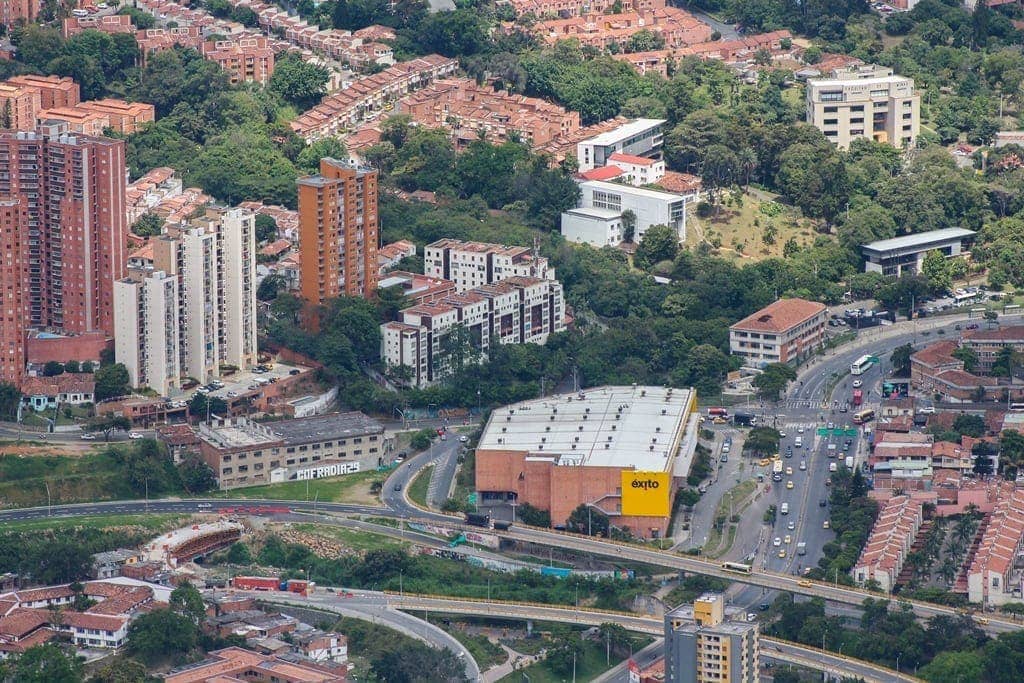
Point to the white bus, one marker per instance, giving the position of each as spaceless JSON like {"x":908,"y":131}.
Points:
{"x":861,"y":365}
{"x":737,"y":567}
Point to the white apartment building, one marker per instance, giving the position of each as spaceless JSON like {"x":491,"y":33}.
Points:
{"x":650,"y":207}
{"x":784,"y":331}
{"x":637,"y":170}
{"x":475,"y":264}
{"x":596,"y":227}
{"x":193,"y":310}
{"x":640,"y":137}
{"x":517,"y":310}
{"x":864,"y":102}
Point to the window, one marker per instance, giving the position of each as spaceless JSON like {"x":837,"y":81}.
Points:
{"x":831,"y":96}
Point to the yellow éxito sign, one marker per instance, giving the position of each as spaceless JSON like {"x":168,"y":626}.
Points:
{"x":646,"y":494}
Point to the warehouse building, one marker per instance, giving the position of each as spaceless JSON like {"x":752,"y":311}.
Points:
{"x":621,"y":450}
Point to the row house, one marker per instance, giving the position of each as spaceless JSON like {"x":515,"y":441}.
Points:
{"x":678,"y":27}
{"x":154,"y":40}
{"x":54,"y":91}
{"x":342,"y":111}
{"x":742,"y":49}
{"x":890,"y":542}
{"x":516,"y":310}
{"x":990,"y":577}
{"x":470,"y":111}
{"x":569,"y":8}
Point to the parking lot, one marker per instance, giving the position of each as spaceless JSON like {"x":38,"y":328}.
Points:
{"x":243,"y":382}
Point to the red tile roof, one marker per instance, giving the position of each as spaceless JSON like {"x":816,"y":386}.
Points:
{"x":631,"y":159}
{"x":780,"y":316}
{"x":938,"y":353}
{"x":81,"y":383}
{"x":602,"y":173}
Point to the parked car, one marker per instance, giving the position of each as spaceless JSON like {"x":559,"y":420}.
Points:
{"x":87,"y":437}
{"x":135,"y":435}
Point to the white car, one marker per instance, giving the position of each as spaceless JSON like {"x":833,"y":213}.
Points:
{"x":791,"y":526}
{"x":926,"y":410}
{"x":857,"y":383}
{"x":782,"y":434}
{"x":777,"y":542}
{"x":799,"y":430}
{"x":135,"y":435}
{"x":463,"y":439}
{"x":803,"y":465}
{"x":88,"y":437}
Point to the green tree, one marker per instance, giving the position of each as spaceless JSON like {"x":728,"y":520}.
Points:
{"x":196,"y":476}
{"x":968,"y":357}
{"x":585,"y":519}
{"x":533,"y":516}
{"x":269,"y":287}
{"x":46,"y":664}
{"x":112,"y":381}
{"x":162,"y":635}
{"x":659,"y":243}
{"x":299,"y":82}
{"x":628,"y":225}
{"x":107,"y":423}
{"x":266,"y":228}
{"x":148,"y":225}
{"x":422,"y":439}
{"x":186,"y":600}
{"x":645,"y":40}
{"x":967,"y":424}
{"x":773,"y":380}
{"x":1006,"y":362}
{"x":900,"y":360}
{"x":935,"y":269}
{"x":122,"y":670}
{"x":141,"y":20}
{"x":53,"y":368}
{"x":309,"y":158}
{"x":814,"y":178}
{"x":10,"y":397}
{"x":954,"y":667}
{"x":239,"y":553}
{"x":202,"y":405}
{"x":762,"y":441}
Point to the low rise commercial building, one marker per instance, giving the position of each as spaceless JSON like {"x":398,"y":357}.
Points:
{"x":935,"y":371}
{"x":621,"y":450}
{"x":596,"y":227}
{"x":869,"y":102}
{"x":784,"y":331}
{"x":889,"y":543}
{"x":474,"y":264}
{"x":515,"y":310}
{"x":905,"y":255}
{"x":639,"y":137}
{"x":649,"y":207}
{"x":709,"y":643}
{"x":244,"y":453}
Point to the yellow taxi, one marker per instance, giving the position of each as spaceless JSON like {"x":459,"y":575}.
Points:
{"x":789,"y":484}
{"x":789,"y":471}
{"x":782,"y":552}
{"x":764,"y":462}
{"x":825,"y":525}
{"x":804,"y":584}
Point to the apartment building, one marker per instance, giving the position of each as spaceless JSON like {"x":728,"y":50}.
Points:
{"x":781,"y":332}
{"x":516,"y":310}
{"x":475,"y":264}
{"x":192,"y":311}
{"x":889,"y":543}
{"x":124,"y":117}
{"x":342,"y":111}
{"x":338,"y":232}
{"x":249,"y":59}
{"x":987,"y":344}
{"x":62,"y":207}
{"x":649,"y":207}
{"x":596,"y":227}
{"x":19,"y":106}
{"x":244,"y":453}
{"x":640,"y":137}
{"x":77,"y":120}
{"x":868,"y":102}
{"x":390,"y":255}
{"x":54,"y":91}
{"x":418,"y":289}
{"x":111,"y":23}
{"x":471,"y":112}
{"x":567,"y":8}
{"x":153,"y":40}
{"x":13,"y":10}
{"x":707,"y":643}
{"x":677,"y":27}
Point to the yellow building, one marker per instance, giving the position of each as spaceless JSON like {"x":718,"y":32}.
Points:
{"x":705,"y":643}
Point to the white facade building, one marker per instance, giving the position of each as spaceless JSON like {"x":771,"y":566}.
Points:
{"x":518,"y":310}
{"x":195,"y":311}
{"x":475,"y":264}
{"x":596,"y":227}
{"x":641,"y":137}
{"x":649,"y":206}
{"x":638,"y":171}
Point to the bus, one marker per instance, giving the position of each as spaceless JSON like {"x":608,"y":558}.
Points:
{"x":777,"y":467}
{"x":961,"y":297}
{"x":858,"y":397}
{"x":861,"y":365}
{"x":863,"y":416}
{"x":737,"y":567}
{"x":1016,"y":406}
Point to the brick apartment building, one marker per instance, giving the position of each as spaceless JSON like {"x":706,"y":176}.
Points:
{"x":152,"y":40}
{"x":54,"y":91}
{"x":338,"y":235}
{"x":19,"y":106}
{"x":77,"y":120}
{"x":890,"y":542}
{"x":248,"y":60}
{"x":13,"y":10}
{"x":470,"y":111}
{"x":934,"y":370}
{"x":123,"y":117}
{"x":62,"y":209}
{"x":111,"y":23}
{"x":781,"y":332}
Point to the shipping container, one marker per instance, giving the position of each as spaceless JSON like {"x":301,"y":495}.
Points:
{"x":256,"y":583}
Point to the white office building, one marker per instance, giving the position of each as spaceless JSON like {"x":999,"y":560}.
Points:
{"x":650,"y":207}
{"x":640,"y":137}
{"x":191,"y":310}
{"x":596,"y":227}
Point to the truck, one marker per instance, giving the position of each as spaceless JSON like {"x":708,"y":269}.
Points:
{"x":502,"y":525}
{"x":718,"y":412}
{"x":849,"y":462}
{"x":801,"y":548}
{"x":257,"y":583}
{"x":478,"y":519}
{"x":858,"y":397}
{"x":743,"y":419}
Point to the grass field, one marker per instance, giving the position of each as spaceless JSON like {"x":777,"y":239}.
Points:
{"x":486,"y":653}
{"x":90,"y":477}
{"x":420,"y":485}
{"x":154,"y":523}
{"x":352,"y":488}
{"x":741,"y":228}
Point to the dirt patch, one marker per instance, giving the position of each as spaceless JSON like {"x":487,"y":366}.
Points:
{"x":70,"y":450}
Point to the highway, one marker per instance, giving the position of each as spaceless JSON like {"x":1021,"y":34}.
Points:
{"x":770,"y":647}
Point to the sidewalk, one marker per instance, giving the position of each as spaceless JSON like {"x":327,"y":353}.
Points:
{"x":514,"y":662}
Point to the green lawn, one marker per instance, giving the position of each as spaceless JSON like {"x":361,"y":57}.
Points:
{"x":486,"y":653}
{"x":419,"y":486}
{"x":90,"y":477}
{"x":351,"y":488}
{"x":155,"y":523}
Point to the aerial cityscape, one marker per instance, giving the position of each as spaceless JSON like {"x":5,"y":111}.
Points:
{"x":625,"y":341}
